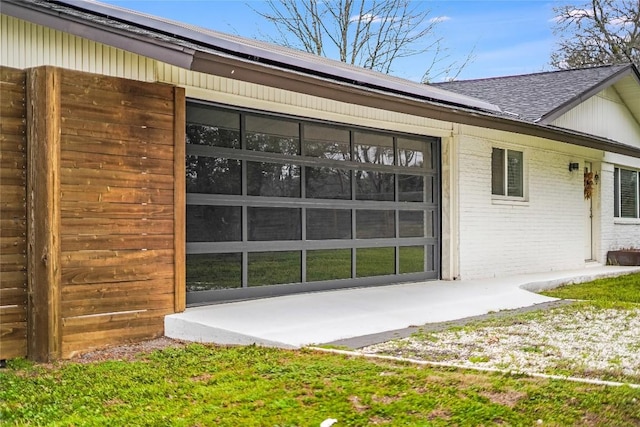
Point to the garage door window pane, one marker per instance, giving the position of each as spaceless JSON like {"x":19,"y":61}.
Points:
{"x":273,"y":268}
{"x":212,"y":127}
{"x":273,"y":179}
{"x":328,"y":183}
{"x":375,"y":261}
{"x":274,"y":224}
{"x":414,"y":153}
{"x":211,"y":175}
{"x":373,"y":148}
{"x":372,"y":185}
{"x":373,"y":224}
{"x":213,"y":271}
{"x":272,"y":135}
{"x":214,"y":223}
{"x":324,"y":224}
{"x":411,"y":223}
{"x":329,"y":264}
{"x":411,"y":188}
{"x":411,"y":259}
{"x":327,"y":142}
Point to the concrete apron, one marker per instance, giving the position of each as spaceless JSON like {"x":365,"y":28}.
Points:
{"x":295,"y":321}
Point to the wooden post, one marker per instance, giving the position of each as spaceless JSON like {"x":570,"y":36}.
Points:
{"x":44,"y":329}
{"x":179,"y":199}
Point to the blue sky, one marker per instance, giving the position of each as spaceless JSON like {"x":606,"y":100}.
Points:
{"x":507,"y":36}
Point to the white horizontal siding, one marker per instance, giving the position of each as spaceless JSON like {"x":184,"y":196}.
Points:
{"x":248,"y":95}
{"x":25,"y":45}
{"x":605,"y":115}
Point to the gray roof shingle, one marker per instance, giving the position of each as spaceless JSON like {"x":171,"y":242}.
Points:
{"x":533,"y":96}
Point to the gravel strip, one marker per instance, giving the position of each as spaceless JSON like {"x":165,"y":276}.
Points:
{"x":589,"y":342}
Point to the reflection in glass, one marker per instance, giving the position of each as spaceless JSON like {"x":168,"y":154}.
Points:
{"x":372,"y":224}
{"x":214,"y":223}
{"x":373,"y":148}
{"x":374,"y":186}
{"x":326,"y":142}
{"x":274,"y":224}
{"x":411,"y":223}
{"x":411,"y":188}
{"x":272,"y":135}
{"x":213,"y":271}
{"x":216,"y":128}
{"x":328,"y":183}
{"x":212,"y":175}
{"x":628,"y":193}
{"x":273,"y":179}
{"x":272,"y":268}
{"x":328,"y":264}
{"x":325,"y":224}
{"x":411,"y":259}
{"x":414,"y":153}
{"x":375,"y":261}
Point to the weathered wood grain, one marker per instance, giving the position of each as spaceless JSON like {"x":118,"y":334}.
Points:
{"x":115,"y":146}
{"x":71,"y":209}
{"x":13,"y":213}
{"x":129,"y":164}
{"x":43,"y":116}
{"x":180,"y":199}
{"x":108,"y":194}
{"x":102,"y":177}
{"x":116,"y":243}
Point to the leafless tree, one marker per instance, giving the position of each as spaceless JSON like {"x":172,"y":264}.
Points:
{"x":597,"y":33}
{"x":369,"y":33}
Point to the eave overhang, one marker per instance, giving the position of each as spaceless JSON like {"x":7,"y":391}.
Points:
{"x":209,"y":61}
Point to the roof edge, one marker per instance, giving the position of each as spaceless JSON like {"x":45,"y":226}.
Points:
{"x":552,"y":115}
{"x":362,"y":77}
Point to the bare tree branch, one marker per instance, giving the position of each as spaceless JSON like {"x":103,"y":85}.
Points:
{"x":597,"y":33}
{"x":372,"y":34}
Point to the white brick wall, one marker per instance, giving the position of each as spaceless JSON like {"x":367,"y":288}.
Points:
{"x":545,"y":233}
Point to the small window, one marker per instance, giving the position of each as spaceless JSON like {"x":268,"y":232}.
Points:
{"x":507,"y":173}
{"x":626,"y":193}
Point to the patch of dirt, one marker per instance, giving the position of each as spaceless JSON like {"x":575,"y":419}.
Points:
{"x":127,"y":352}
{"x":509,"y":399}
{"x":442,"y":414}
{"x":357,"y":404}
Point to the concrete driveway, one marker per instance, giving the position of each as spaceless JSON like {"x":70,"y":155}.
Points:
{"x":294,"y":321}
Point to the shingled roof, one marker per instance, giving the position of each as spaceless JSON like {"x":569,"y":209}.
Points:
{"x":535,"y":97}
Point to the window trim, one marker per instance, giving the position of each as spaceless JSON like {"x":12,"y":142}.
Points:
{"x":505,"y":198}
{"x":617,"y":195}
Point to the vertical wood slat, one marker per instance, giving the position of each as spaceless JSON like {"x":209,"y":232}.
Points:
{"x":43,"y":205}
{"x":179,"y":202}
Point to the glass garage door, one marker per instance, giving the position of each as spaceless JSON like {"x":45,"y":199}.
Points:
{"x":279,"y":205}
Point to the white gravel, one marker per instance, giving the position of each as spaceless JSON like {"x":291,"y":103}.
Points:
{"x":589,"y":342}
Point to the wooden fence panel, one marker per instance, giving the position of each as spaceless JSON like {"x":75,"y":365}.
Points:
{"x":13,"y":214}
{"x":118,"y":218}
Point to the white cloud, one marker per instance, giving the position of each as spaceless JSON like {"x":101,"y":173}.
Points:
{"x":573,"y":14}
{"x":367,"y":17}
{"x":439,"y":19}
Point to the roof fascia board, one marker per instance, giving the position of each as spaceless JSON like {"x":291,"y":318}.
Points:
{"x":261,"y":74}
{"x":299,"y":63}
{"x":549,"y":117}
{"x":172,"y":54}
{"x":265,"y":74}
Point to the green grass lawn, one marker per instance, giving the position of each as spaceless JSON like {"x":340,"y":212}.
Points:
{"x":202,"y":385}
{"x":625,"y":289}
{"x":251,"y":386}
